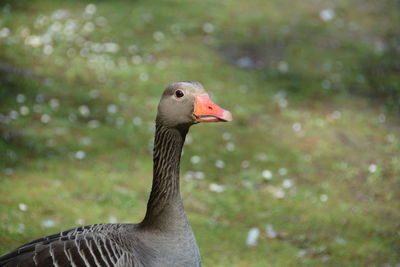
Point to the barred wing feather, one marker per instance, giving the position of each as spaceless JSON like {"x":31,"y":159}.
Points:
{"x":93,"y":245}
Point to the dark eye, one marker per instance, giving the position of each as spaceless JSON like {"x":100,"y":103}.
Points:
{"x":179,"y":93}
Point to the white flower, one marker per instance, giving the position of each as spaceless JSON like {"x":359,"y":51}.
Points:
{"x":226,"y":136}
{"x":101,"y":21}
{"x":21,"y":98}
{"x":195,"y":159}
{"x":48,"y":223}
{"x":21,"y":228}
{"x":252,"y":237}
{"x":245,"y":164}
{"x":219,"y":164}
{"x":137,"y":121}
{"x":279,"y":193}
{"x":390,"y":138}
{"x":199,"y":175}
{"x":302,"y":252}
{"x":86,"y":141}
{"x":136,"y":60}
{"x":90,"y":9}
{"x":54,"y":103}
{"x":111,"y":47}
{"x":48,"y":50}
{"x":267,"y":174}
{"x":45,"y":118}
{"x":4,"y":32}
{"x":296,"y":127}
{"x":372,"y":168}
{"x":94,"y":94}
{"x":327,"y":14}
{"x":88,"y":27}
{"x":262,"y":157}
{"x":80,"y":154}
{"x":112,"y":108}
{"x":24,"y":110}
{"x":144,"y":76}
{"x":33,"y":41}
{"x":270,"y":232}
{"x":13,"y":114}
{"x":112,"y":219}
{"x":230,"y":146}
{"x":208,"y":27}
{"x":282,"y":171}
{"x":340,"y":240}
{"x":59,"y":14}
{"x":283,"y":66}
{"x":323,"y":198}
{"x":22,"y":206}
{"x":84,"y":110}
{"x":188,"y":175}
{"x":217,"y":188}
{"x":93,"y":124}
{"x":287,"y":183}
{"x":158,"y":36}
{"x":276,"y":191}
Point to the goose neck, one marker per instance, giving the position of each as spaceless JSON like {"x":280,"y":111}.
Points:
{"x":165,"y":208}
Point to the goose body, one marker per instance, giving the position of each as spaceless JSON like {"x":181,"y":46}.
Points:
{"x":164,"y":237}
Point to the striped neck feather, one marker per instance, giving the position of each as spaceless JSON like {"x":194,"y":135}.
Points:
{"x":165,"y":204}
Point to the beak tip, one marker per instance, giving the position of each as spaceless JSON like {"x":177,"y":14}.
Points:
{"x":227,"y":116}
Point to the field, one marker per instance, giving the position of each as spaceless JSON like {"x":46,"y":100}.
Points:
{"x":311,"y":159}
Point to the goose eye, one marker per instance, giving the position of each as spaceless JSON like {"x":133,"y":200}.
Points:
{"x":179,"y":93}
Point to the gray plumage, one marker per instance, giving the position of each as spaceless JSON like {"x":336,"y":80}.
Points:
{"x":163,"y":238}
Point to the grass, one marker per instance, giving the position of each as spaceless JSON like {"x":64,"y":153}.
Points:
{"x":303,"y":110}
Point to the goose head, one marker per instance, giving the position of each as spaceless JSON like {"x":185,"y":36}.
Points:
{"x":186,"y":103}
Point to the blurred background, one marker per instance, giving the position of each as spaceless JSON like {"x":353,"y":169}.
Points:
{"x":308,"y":173}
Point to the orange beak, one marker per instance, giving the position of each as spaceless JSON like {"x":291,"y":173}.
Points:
{"x":206,"y":111}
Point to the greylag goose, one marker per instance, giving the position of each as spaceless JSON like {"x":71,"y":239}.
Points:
{"x":164,"y":237}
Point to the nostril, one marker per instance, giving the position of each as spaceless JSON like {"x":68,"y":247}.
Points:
{"x":210,"y":107}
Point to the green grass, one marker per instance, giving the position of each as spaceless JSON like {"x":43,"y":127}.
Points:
{"x":313,"y":113}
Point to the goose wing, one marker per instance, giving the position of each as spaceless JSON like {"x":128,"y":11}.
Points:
{"x":93,"y":245}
